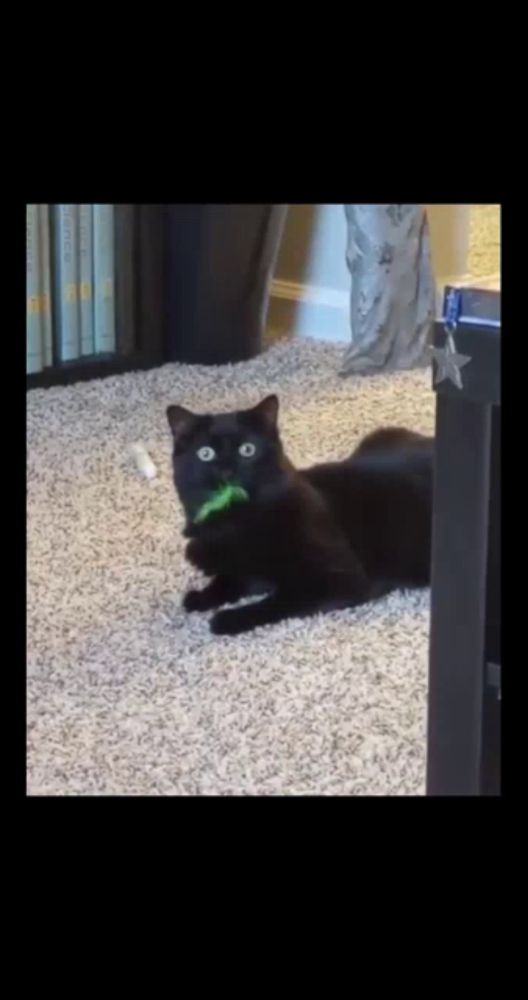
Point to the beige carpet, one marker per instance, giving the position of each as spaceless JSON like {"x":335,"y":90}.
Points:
{"x":127,"y":695}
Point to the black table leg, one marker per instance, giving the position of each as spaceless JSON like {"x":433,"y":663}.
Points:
{"x":459,"y":596}
{"x":491,"y":734}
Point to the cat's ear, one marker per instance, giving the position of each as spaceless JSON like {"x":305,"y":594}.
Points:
{"x":268,"y":410}
{"x":179,"y":419}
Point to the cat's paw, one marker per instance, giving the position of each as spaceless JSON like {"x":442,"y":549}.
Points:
{"x":227,"y":623}
{"x":196,"y":600}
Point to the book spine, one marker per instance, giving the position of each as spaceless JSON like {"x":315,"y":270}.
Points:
{"x":86,"y":283}
{"x":125,"y":266}
{"x":45,"y":284}
{"x":104,"y":305}
{"x":34,"y":352}
{"x":67,"y":280}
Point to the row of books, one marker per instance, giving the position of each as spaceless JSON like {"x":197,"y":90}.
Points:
{"x":71,"y":281}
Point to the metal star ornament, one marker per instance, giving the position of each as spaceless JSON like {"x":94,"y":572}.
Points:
{"x":449,"y":362}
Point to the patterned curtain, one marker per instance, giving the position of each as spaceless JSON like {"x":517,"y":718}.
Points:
{"x":392,"y":299}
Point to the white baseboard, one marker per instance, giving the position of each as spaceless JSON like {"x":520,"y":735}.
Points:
{"x":309,"y":311}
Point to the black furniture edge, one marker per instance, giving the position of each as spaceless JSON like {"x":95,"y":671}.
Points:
{"x":464,"y":710}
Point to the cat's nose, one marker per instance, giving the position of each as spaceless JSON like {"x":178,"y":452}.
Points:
{"x":226,"y":474}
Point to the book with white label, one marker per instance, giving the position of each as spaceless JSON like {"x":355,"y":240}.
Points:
{"x":34,"y":347}
{"x":86,"y":283}
{"x":104,"y":300}
{"x":67,"y":332}
{"x":45,"y":284}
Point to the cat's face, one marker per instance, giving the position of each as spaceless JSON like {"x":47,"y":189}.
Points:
{"x":209,"y":451}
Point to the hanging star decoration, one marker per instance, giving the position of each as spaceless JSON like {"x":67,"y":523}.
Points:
{"x":448,"y":361}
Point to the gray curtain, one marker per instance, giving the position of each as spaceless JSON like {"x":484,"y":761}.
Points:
{"x":392,"y":300}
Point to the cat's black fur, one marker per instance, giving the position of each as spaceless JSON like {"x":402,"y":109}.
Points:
{"x":331,"y":536}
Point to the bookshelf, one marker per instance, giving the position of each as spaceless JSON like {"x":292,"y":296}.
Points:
{"x":116,"y":248}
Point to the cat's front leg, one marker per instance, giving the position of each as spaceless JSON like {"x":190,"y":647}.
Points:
{"x":326,"y":594}
{"x":221,"y":590}
{"x":274,"y":608}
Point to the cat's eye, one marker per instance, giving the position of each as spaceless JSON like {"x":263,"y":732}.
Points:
{"x":206,"y":454}
{"x":247,"y":450}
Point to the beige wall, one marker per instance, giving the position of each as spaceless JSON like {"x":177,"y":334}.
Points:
{"x":450,"y":227}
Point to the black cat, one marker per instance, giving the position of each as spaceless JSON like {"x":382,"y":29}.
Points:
{"x":332,"y":536}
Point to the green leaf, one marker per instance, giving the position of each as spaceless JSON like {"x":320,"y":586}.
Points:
{"x":222,"y":499}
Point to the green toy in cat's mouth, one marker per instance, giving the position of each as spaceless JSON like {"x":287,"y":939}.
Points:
{"x":222,"y":499}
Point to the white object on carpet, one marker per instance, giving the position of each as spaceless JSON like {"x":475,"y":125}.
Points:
{"x":143,"y":460}
{"x":127,"y":694}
